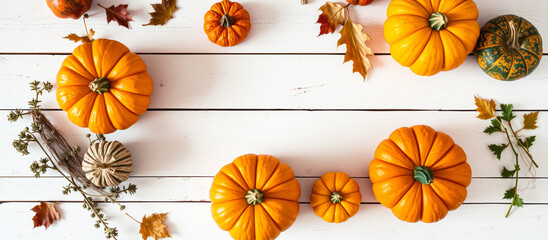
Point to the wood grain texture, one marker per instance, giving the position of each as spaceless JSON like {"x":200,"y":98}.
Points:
{"x":193,"y":221}
{"x":291,"y":82}
{"x":283,"y":26}
{"x":199,"y":143}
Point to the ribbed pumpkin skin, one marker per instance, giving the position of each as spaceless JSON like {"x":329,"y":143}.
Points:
{"x":69,"y":8}
{"x":391,"y":172}
{"x":107,"y":163}
{"x":227,"y":36}
{"x":414,"y":44}
{"x":498,"y":59}
{"x":323,"y":188}
{"x":127,"y":97}
{"x":359,"y":2}
{"x":265,"y":220}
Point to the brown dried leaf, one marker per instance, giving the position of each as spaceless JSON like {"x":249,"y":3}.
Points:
{"x":45,"y":214}
{"x":83,"y":39}
{"x":486,"y":108}
{"x":356,"y":50}
{"x":530,"y":120}
{"x":152,"y":226}
{"x":162,"y":12}
{"x":332,"y":15}
{"x":119,"y":14}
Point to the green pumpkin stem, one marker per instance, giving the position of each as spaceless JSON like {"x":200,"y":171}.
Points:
{"x":438,"y":21}
{"x":423,"y":175}
{"x":254,"y":197}
{"x":227,"y":21}
{"x":513,"y":39}
{"x":336,"y":197}
{"x":100,"y":85}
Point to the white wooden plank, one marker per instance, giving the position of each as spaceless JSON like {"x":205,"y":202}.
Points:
{"x":199,"y":143}
{"x":193,"y":221}
{"x":196,"y":189}
{"x":277,"y":26}
{"x":290,"y":82}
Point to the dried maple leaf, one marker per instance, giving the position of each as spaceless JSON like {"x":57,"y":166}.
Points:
{"x":356,"y":50}
{"x":332,"y":15}
{"x":152,"y":226}
{"x":530,"y":120}
{"x":119,"y":14}
{"x":162,"y":12}
{"x":84,"y":39}
{"x":45,"y":214}
{"x":486,"y":108}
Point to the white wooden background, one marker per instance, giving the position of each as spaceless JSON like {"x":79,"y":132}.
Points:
{"x":283,"y":91}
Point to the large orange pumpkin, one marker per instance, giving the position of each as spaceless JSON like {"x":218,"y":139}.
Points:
{"x":227,"y":23}
{"x":432,"y":35}
{"x":103,"y":86}
{"x":69,"y":8}
{"x":335,"y":197}
{"x":420,"y":174}
{"x":255,"y":197}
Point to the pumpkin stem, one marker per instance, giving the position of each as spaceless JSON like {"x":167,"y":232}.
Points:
{"x":99,"y":85}
{"x":513,"y":40}
{"x":254,"y":197}
{"x":336,"y":197}
{"x":438,"y":21}
{"x":423,"y":175}
{"x":227,"y":21}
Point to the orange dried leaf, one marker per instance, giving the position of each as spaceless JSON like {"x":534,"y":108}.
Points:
{"x":486,"y":108}
{"x":45,"y":215}
{"x":162,"y":12}
{"x":332,"y":15}
{"x":530,"y":120}
{"x":83,"y":39}
{"x":119,"y":14}
{"x":356,"y":49}
{"x":152,"y":226}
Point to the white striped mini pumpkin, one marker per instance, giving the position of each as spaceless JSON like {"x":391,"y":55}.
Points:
{"x":107,"y":163}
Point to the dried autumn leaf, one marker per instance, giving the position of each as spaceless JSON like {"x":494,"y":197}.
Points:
{"x":356,"y":50}
{"x":84,"y":39}
{"x":162,"y":12}
{"x":530,"y":120}
{"x":119,"y":14}
{"x":485,"y":108}
{"x":332,"y":15}
{"x":45,"y":214}
{"x":152,"y":226}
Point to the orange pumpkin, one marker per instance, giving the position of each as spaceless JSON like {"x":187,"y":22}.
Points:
{"x":103,"y":86}
{"x":430,"y":36}
{"x":420,"y":174}
{"x":335,"y":197}
{"x":359,"y":2}
{"x":69,"y":8}
{"x":255,"y":197}
{"x":227,"y":23}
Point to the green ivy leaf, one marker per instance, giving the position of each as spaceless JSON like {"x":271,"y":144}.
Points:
{"x":507,"y":112}
{"x":509,"y":194}
{"x":505,"y":173}
{"x":518,"y":201}
{"x":497,"y":149}
{"x":495,"y":127}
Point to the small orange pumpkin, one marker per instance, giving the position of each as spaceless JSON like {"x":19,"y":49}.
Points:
{"x":420,"y":174}
{"x":255,"y":197}
{"x":103,"y":86}
{"x":227,"y":23}
{"x":69,"y":8}
{"x":335,"y":197}
{"x":359,"y":2}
